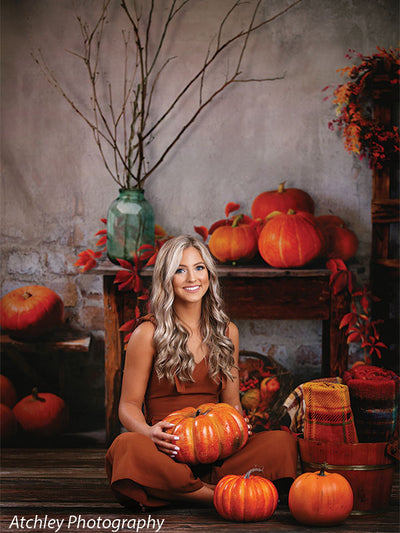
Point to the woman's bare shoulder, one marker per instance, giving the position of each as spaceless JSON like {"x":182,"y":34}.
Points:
{"x":144,"y":333}
{"x":232,"y":330}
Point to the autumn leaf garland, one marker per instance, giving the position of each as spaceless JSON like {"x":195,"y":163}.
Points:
{"x":363,"y":134}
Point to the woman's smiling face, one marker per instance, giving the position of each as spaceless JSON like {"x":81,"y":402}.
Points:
{"x":190,"y":281}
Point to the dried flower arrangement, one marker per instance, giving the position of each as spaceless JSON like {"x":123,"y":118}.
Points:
{"x":363,"y":134}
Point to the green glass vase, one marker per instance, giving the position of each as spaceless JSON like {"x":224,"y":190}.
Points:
{"x":130,"y":224}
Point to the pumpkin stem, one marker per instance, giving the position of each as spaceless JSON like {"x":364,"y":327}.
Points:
{"x":236,"y":220}
{"x":323,"y":469}
{"x":281,"y":187}
{"x":255,"y":469}
{"x":35,"y":395}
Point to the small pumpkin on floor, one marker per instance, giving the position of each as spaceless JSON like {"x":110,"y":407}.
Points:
{"x":320,"y":498}
{"x":211,"y":432}
{"x":246,"y":498}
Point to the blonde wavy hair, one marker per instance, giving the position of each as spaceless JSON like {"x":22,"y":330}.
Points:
{"x":171,"y":337}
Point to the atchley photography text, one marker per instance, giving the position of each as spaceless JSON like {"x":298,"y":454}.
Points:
{"x":74,"y":522}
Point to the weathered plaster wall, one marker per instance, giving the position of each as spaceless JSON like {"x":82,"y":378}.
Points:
{"x":255,"y":135}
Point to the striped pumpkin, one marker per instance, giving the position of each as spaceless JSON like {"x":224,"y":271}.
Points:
{"x":291,"y":239}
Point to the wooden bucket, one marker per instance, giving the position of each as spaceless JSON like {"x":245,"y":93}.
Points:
{"x":365,"y":466}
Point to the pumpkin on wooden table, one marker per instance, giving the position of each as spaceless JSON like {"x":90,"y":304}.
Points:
{"x":212,"y":431}
{"x":42,"y":415}
{"x":281,"y":200}
{"x":291,"y":239}
{"x":340,"y":242}
{"x":246,"y":498}
{"x":320,"y":498}
{"x":234,"y":242}
{"x":30,"y":312}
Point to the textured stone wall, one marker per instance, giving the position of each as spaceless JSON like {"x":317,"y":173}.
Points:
{"x":255,"y":135}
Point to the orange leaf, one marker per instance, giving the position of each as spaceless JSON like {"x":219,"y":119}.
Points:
{"x":102,"y":241}
{"x":230,"y":207}
{"x":218,"y":224}
{"x":202,"y":231}
{"x":348,"y":319}
{"x":87,"y":259}
{"x":128,"y":326}
{"x":126,"y":264}
{"x":152,"y":259}
{"x":353,"y":337}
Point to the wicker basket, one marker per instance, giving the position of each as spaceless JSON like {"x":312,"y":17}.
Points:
{"x":264,"y":386}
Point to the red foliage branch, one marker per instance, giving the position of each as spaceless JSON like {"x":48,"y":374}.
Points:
{"x":360,"y":327}
{"x":128,"y":278}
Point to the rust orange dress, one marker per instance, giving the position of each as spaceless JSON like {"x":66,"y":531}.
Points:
{"x":134,"y":463}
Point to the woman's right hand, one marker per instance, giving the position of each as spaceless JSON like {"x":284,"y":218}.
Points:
{"x":164,"y":441}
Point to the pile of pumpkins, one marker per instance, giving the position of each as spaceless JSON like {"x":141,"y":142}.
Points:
{"x":215,"y":431}
{"x":38,"y":415}
{"x":28,"y":313}
{"x":284,"y":231}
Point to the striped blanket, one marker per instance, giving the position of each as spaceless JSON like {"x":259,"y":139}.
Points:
{"x":320,"y":409}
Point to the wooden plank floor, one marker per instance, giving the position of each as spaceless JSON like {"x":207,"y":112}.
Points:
{"x":70,"y":485}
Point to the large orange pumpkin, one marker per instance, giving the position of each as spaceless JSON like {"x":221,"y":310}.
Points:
{"x":247,"y":498}
{"x":212,"y":431}
{"x":30,"y":312}
{"x":232,"y":243}
{"x":281,"y":200}
{"x":42,"y":415}
{"x":320,"y":498}
{"x":290,"y":239}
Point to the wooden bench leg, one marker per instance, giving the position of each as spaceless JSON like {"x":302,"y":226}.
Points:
{"x":113,"y":360}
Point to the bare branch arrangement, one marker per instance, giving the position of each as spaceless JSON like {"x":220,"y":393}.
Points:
{"x":126,"y":132}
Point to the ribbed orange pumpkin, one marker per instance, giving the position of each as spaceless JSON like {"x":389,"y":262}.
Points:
{"x":31,"y":311}
{"x":232,"y":243}
{"x":212,"y":431}
{"x":281,"y":200}
{"x":290,"y":240}
{"x":320,"y":498}
{"x":246,"y":498}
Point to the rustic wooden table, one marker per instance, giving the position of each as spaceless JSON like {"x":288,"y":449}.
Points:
{"x":249,"y":292}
